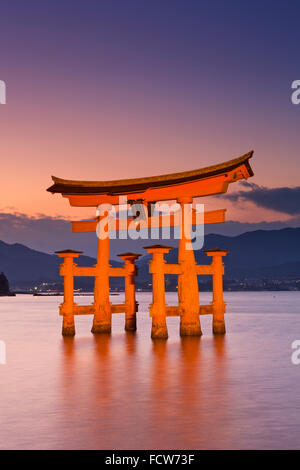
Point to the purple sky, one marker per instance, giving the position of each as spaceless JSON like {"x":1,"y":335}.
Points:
{"x":109,"y":90}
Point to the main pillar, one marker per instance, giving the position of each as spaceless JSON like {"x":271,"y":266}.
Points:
{"x":218,"y":303}
{"x":66,"y":308}
{"x":188,"y":292}
{"x":102,"y":315}
{"x":130,"y":302}
{"x":158,"y":306}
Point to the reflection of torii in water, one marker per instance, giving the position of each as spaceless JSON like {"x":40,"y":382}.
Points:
{"x":182,"y":187}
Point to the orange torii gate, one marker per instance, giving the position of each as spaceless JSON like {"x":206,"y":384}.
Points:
{"x":182,"y":187}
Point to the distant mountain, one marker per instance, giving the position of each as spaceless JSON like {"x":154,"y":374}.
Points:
{"x":270,"y":254}
{"x":254,"y":250}
{"x":281,"y":271}
{"x":25,"y":267}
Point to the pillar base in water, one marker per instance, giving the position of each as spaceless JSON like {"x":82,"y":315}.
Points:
{"x":190,"y":328}
{"x":130,"y":324}
{"x":159,"y":331}
{"x":68,"y":327}
{"x":219,"y":328}
{"x":99,"y":328}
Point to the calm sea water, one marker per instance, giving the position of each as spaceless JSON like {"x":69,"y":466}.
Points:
{"x":126,"y":391}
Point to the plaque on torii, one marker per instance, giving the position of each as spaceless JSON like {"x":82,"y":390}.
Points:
{"x":181,"y":187}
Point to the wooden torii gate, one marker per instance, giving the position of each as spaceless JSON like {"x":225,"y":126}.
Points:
{"x":182,"y":187}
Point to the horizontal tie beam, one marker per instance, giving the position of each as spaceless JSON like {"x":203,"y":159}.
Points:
{"x":175,"y":311}
{"x":171,"y":311}
{"x":204,"y":269}
{"x":90,"y":309}
{"x":172,"y":220}
{"x":92,"y":271}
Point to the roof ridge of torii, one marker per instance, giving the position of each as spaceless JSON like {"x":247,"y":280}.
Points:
{"x":201,"y":182}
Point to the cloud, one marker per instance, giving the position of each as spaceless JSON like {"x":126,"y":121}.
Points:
{"x":233,"y":227}
{"x":284,"y":200}
{"x":49,"y":234}
{"x":43,"y":233}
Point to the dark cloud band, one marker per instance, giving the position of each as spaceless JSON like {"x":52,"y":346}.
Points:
{"x":285,"y":200}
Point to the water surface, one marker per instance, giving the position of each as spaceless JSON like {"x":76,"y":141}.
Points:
{"x":125,"y":391}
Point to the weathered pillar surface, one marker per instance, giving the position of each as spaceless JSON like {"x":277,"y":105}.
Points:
{"x":219,"y":306}
{"x":158,"y":306}
{"x":130,"y":302}
{"x":188,"y":292}
{"x":66,"y":308}
{"x":102,"y":316}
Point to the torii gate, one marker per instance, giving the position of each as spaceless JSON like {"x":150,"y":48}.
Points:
{"x":182,"y":187}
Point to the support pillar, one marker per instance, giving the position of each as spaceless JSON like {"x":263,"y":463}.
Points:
{"x":219,"y":306}
{"x":158,"y":306}
{"x":130,"y":302}
{"x":67,"y":307}
{"x":102,"y":315}
{"x":188,"y":292}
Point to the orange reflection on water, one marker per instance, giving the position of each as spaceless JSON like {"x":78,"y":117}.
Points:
{"x":126,"y":391}
{"x":127,"y":395}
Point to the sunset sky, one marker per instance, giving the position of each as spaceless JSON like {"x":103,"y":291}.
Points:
{"x":119,"y":89}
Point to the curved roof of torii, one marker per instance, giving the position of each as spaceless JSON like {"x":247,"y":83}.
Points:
{"x":127,"y":186}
